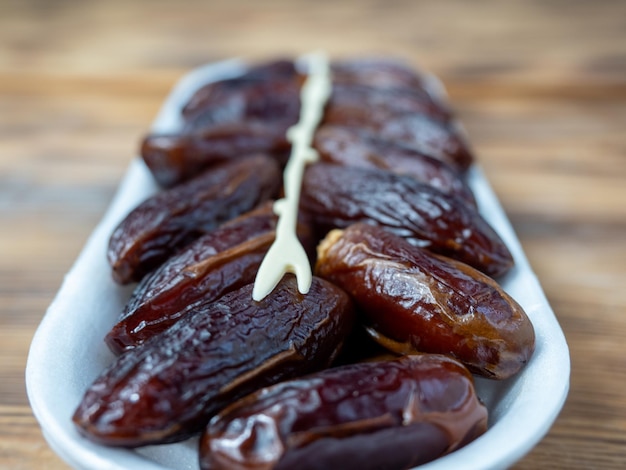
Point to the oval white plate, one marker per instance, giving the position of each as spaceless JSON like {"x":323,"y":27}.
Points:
{"x":67,"y":352}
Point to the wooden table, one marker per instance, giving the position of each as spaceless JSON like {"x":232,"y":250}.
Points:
{"x":541,"y":87}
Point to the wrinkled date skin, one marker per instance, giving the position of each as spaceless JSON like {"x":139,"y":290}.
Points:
{"x":251,"y":81}
{"x":352,"y":147}
{"x":376,"y":415}
{"x":173,"y":158}
{"x":215,"y":264}
{"x":252,"y":112}
{"x":428,"y":130}
{"x":276,"y":100}
{"x":385,"y":74}
{"x":226,"y":119}
{"x":335,"y":197}
{"x":402,"y":106}
{"x":352,"y":104}
{"x":430,"y":136}
{"x":167,"y":389}
{"x":219,"y":262}
{"x":414,"y":300}
{"x":171,"y":219}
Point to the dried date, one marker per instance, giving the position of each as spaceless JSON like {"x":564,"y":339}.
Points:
{"x":275,"y":101}
{"x":353,"y":105}
{"x":171,"y":219}
{"x":173,"y":158}
{"x":252,"y":112}
{"x":391,"y":415}
{"x":335,"y":197}
{"x":254,"y":79}
{"x":416,"y":301}
{"x":226,"y":119}
{"x":386,"y":74}
{"x":352,"y":147}
{"x":432,"y":133}
{"x":215,"y":264}
{"x":430,"y":136}
{"x":167,"y":389}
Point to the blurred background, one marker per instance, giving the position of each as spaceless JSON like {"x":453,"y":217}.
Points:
{"x":539,"y":85}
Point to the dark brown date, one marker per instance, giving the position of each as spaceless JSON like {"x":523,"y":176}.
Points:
{"x":428,"y":130}
{"x":167,"y":389}
{"x":252,"y":112}
{"x":352,"y":147}
{"x":432,"y":137}
{"x":173,"y":158}
{"x":430,"y":133}
{"x":276,"y":101}
{"x":376,"y":415}
{"x":353,"y":105}
{"x":215,"y":264}
{"x":336,"y":197}
{"x":215,"y":93}
{"x":172,"y":219}
{"x":428,"y":303}
{"x":226,"y":119}
{"x":385,"y":74}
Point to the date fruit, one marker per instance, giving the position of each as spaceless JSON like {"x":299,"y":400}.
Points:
{"x":168,"y":388}
{"x":430,"y":136}
{"x":377,"y":415}
{"x":351,"y":147}
{"x":387,"y":74}
{"x":275,"y":101}
{"x":335,"y":197}
{"x":174,"y":158}
{"x":223,"y":120}
{"x":219,"y":262}
{"x":429,"y":132}
{"x":427,"y":303}
{"x":215,"y":264}
{"x":352,"y":105}
{"x":171,"y":219}
{"x":245,"y":87}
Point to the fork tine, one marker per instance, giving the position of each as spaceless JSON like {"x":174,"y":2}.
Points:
{"x":286,"y":256}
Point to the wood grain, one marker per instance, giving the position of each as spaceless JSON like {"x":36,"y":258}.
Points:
{"x":540,"y":86}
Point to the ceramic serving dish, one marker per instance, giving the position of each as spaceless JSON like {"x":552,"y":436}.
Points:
{"x":68,"y":352}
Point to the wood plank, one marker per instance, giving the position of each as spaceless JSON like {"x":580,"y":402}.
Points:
{"x":539,"y":85}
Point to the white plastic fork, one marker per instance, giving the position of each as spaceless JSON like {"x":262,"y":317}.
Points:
{"x":287,"y":255}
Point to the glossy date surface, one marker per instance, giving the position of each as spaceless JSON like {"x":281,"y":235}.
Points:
{"x":336,"y":196}
{"x":216,"y":263}
{"x":349,"y":146}
{"x":171,"y":219}
{"x":416,"y":301}
{"x":244,"y":87}
{"x":252,"y":112}
{"x":376,"y":415}
{"x":354,"y":104}
{"x":175,"y":158}
{"x":427,"y":135}
{"x":226,"y":120}
{"x":220,"y":261}
{"x":428,"y":130}
{"x":167,"y":389}
{"x":385,"y":74}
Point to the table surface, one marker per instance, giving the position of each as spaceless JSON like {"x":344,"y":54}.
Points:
{"x":540,"y":86}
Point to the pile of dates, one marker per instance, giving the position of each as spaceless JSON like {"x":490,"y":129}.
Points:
{"x":373,"y":367}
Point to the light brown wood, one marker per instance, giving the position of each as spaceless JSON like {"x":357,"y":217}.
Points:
{"x":540,"y":86}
